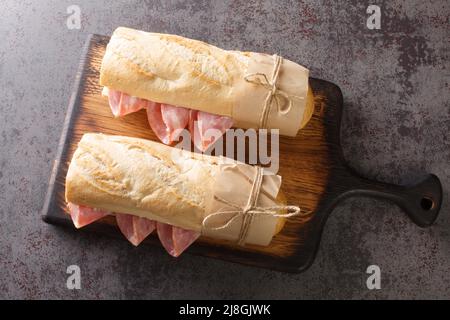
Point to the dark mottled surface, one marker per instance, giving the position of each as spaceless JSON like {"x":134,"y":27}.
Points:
{"x":395,"y":128}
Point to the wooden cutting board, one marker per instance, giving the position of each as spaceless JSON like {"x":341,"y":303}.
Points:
{"x":315,"y":175}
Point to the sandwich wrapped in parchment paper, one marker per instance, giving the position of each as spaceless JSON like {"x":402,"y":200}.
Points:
{"x":189,"y":83}
{"x":181,"y":194}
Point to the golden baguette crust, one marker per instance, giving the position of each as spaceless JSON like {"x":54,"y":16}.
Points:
{"x":140,"y":177}
{"x":172,"y":69}
{"x":144,"y":178}
{"x":178,"y":71}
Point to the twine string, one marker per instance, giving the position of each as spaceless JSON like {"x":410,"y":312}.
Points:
{"x":249,"y":211}
{"x":274,"y":93}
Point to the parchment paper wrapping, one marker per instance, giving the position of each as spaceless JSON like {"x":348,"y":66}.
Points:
{"x":234,"y":183}
{"x":292,"y":81}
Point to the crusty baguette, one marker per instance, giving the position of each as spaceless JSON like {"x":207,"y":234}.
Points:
{"x":140,"y":177}
{"x":143,"y":178}
{"x":184,"y":72}
{"x":172,"y":69}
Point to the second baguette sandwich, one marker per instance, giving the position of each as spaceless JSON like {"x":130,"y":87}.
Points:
{"x":181,"y":194}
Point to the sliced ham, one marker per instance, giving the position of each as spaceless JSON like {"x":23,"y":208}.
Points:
{"x":206,"y":128}
{"x":114,"y":101}
{"x":175,"y":240}
{"x":175,"y":119}
{"x":168,"y":121}
{"x":193,"y":129}
{"x":122,"y":104}
{"x":134,"y":228}
{"x":129,"y":104}
{"x":156,"y":122}
{"x":82,"y":216}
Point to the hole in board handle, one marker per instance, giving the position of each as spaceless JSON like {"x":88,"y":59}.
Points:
{"x":427,"y":203}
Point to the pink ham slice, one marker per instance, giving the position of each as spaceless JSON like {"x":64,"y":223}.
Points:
{"x":122,"y":104}
{"x":82,"y":216}
{"x":175,"y":119}
{"x":134,"y":228}
{"x":206,"y":128}
{"x":167,"y":121}
{"x":175,"y":240}
{"x":156,"y":122}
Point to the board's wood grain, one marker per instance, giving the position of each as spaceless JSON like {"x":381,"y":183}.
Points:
{"x":311,"y":164}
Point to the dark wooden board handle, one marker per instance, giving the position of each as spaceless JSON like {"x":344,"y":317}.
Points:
{"x":421,"y":201}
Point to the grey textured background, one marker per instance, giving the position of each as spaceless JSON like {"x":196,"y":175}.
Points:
{"x":395,"y":128}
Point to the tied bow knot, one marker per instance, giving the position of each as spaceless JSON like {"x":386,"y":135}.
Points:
{"x":246,"y":213}
{"x":274,"y":93}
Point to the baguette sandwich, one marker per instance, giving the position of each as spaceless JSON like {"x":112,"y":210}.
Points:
{"x":148,"y":186}
{"x":185,"y":83}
